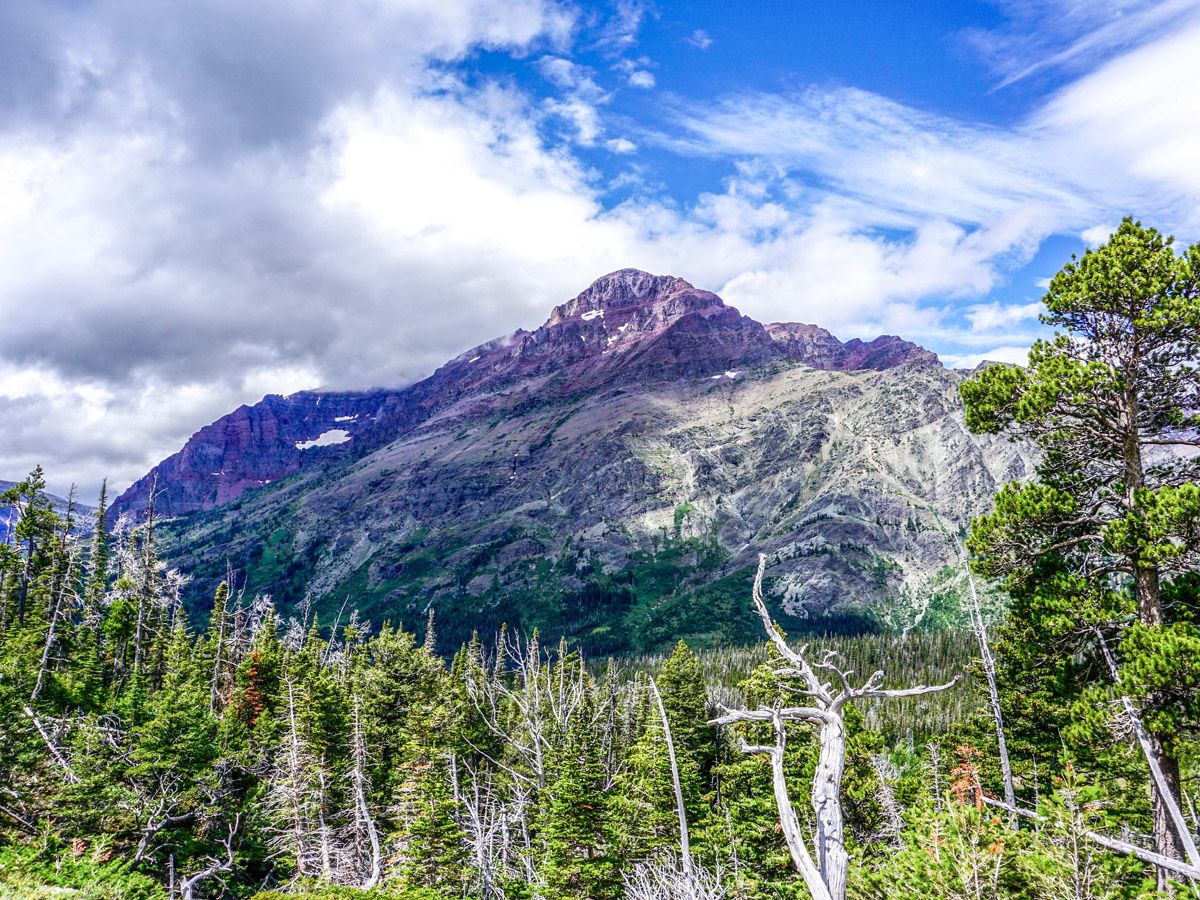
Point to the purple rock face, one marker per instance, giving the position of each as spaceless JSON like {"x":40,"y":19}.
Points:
{"x":816,"y":347}
{"x":627,"y":327}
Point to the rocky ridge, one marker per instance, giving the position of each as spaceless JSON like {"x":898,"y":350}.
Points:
{"x":628,"y":325}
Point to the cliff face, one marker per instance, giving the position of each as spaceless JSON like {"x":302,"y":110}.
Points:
{"x":611,"y":475}
{"x":816,"y":347}
{"x":254,"y":446}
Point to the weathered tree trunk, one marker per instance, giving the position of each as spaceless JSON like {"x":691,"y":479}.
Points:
{"x":827,"y":804}
{"x":788,"y":821}
{"x":146,"y":588}
{"x":187,"y":886}
{"x":1168,"y":818}
{"x":827,"y":877}
{"x":69,"y":775}
{"x":685,"y":850}
{"x":218,"y":657}
{"x":989,"y":671}
{"x":361,"y":809}
{"x":56,"y":606}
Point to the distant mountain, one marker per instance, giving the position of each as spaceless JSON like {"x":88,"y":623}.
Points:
{"x":610,"y":475}
{"x":58,"y":504}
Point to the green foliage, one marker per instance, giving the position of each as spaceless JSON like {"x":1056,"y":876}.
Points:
{"x":1104,"y":545}
{"x":39,"y":874}
{"x":283,"y":754}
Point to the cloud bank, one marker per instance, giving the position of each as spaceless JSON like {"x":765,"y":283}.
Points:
{"x":200,"y":207}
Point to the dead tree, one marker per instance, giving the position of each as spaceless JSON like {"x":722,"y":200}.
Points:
{"x":60,"y":759}
{"x":826,"y":875}
{"x":187,"y":885}
{"x":663,"y":879}
{"x":1159,"y":781}
{"x":57,"y":611}
{"x":160,"y":809}
{"x":989,"y":671}
{"x":364,"y":823}
{"x":685,"y":850}
{"x":1166,"y":863}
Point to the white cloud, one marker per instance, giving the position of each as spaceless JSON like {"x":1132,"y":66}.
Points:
{"x":1093,"y":237}
{"x":1018,"y":356}
{"x":990,"y":316}
{"x":1072,"y":34}
{"x":641,"y":79}
{"x":700,"y":39}
{"x":582,"y":115}
{"x":150,"y":283}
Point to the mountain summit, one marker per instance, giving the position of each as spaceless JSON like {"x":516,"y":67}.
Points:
{"x":611,"y":475}
{"x":628,"y":326}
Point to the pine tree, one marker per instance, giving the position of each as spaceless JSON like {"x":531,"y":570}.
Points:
{"x":576,"y":824}
{"x":1110,"y":523}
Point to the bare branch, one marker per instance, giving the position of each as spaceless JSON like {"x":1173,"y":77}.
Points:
{"x":1148,"y":856}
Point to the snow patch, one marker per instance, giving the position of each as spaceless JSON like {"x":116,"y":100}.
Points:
{"x":345,"y":418}
{"x":326,"y":439}
{"x":733,"y":374}
{"x":472,"y":359}
{"x":593,"y":314}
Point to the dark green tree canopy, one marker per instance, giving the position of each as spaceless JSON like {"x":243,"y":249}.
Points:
{"x":1112,"y":402}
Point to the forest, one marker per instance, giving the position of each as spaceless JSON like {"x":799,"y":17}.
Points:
{"x":262,"y":753}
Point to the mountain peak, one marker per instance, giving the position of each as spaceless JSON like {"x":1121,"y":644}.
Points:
{"x":629,"y":328}
{"x":624,"y":289}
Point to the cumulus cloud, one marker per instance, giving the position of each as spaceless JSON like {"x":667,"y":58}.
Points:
{"x":203,"y":207}
{"x":1017,"y":356}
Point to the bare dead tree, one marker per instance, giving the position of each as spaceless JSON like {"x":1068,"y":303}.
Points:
{"x":685,"y":850}
{"x":187,"y":885}
{"x":159,"y":809}
{"x":664,"y":878}
{"x":488,"y":823}
{"x":60,"y":759}
{"x":886,"y":773}
{"x":989,"y":670}
{"x":296,"y":797}
{"x":364,"y":823}
{"x":1159,"y":781}
{"x":146,"y":592}
{"x":543,"y":701}
{"x":1124,"y":847}
{"x":58,"y":602}
{"x":826,"y":875}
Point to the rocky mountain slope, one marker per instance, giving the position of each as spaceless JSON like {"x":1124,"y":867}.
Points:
{"x":8,"y":515}
{"x":610,"y":475}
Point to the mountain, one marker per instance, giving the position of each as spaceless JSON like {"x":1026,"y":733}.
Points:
{"x":610,"y":475}
{"x":80,"y":511}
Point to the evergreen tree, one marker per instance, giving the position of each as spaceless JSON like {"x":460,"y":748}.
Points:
{"x":1111,"y":522}
{"x":576,"y":822}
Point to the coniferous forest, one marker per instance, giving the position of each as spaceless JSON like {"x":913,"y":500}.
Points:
{"x":259,"y":752}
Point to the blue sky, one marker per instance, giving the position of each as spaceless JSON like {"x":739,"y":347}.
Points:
{"x":201,"y":203}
